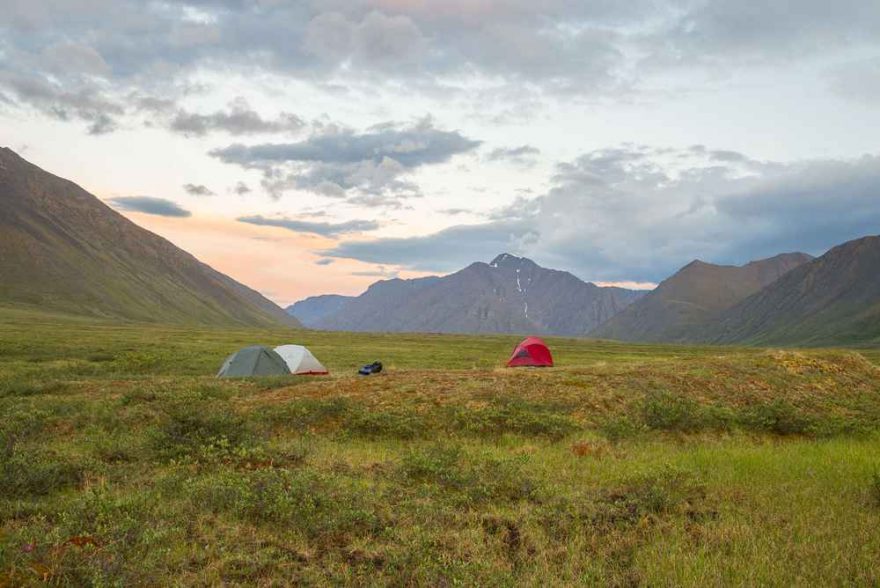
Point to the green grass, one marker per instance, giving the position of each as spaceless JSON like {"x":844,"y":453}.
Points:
{"x":123,"y":461}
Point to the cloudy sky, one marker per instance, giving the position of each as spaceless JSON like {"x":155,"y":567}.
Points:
{"x":314,"y":146}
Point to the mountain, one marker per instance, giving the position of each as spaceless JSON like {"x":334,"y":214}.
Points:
{"x":509,"y":295}
{"x":697,"y":294}
{"x":378,"y":308}
{"x":63,"y":249}
{"x":834,"y":299}
{"x":313,"y":309}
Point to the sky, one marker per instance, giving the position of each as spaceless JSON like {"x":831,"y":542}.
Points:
{"x":316,"y":146}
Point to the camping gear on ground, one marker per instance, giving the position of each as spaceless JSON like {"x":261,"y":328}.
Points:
{"x":531,"y":352}
{"x":371,"y":368}
{"x":253,"y":361}
{"x":300,"y":360}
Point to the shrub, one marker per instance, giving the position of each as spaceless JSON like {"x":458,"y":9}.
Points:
{"x":652,"y":493}
{"x":476,"y":479}
{"x":502,"y":480}
{"x":112,"y":448}
{"x":514,"y":417}
{"x":23,"y":476}
{"x":324,"y":509}
{"x":19,"y":424}
{"x":384,"y":425}
{"x":437,"y":464}
{"x":618,"y":429}
{"x":304,"y":413}
{"x":140,"y":362}
{"x":23,"y":388}
{"x":875,"y":488}
{"x":663,"y":411}
{"x":195,"y":430}
{"x":625,"y":509}
{"x":777,"y":417}
{"x":667,"y":412}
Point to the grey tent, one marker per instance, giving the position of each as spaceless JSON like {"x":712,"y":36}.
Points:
{"x":253,"y":361}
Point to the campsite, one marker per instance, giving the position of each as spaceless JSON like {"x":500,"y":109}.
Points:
{"x":127,"y":461}
{"x":435,"y":293}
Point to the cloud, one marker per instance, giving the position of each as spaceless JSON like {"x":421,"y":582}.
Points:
{"x":636,"y":213}
{"x":241,"y":189}
{"x":513,"y":152}
{"x":857,"y":80}
{"x":239,"y":120}
{"x":85,"y":102}
{"x":197,"y":190}
{"x":325,"y":261}
{"x":150,"y":205}
{"x":376,"y":41}
{"x":445,"y":251}
{"x":317,"y":228}
{"x":523,"y":155}
{"x":380,"y":272}
{"x":762,"y":31}
{"x":86,"y":52}
{"x":411,"y":147}
{"x":65,"y":57}
{"x":339,"y":163}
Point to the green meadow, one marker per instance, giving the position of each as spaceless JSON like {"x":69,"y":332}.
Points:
{"x":124,"y":462}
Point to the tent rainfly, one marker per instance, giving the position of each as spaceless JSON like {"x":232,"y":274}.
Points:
{"x":253,"y":361}
{"x":300,"y":360}
{"x":531,"y":352}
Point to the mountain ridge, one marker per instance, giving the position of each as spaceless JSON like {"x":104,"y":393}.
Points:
{"x":682,"y":303}
{"x":63,"y":249}
{"x":510,"y":294}
{"x":833,"y":299}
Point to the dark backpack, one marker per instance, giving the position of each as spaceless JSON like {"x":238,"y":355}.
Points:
{"x":371,"y":368}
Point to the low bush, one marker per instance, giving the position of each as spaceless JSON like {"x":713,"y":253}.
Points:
{"x":303,"y":414}
{"x":385,"y":425}
{"x":19,"y":424}
{"x":196,"y":430}
{"x":517,"y":418}
{"x":22,"y":388}
{"x":618,"y":429}
{"x":665,"y":493}
{"x":477,"y":479}
{"x":778,"y":417}
{"x":28,"y":475}
{"x":664,"y":411}
{"x":437,"y":464}
{"x":875,"y":488}
{"x":324,"y":508}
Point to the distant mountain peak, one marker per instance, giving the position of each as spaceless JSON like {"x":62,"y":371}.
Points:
{"x":795,"y":256}
{"x":511,"y":294}
{"x":508,"y":260}
{"x":697,"y":263}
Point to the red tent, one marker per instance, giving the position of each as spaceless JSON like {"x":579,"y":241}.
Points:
{"x":531,"y":351}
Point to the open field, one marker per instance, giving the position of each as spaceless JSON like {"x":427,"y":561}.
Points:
{"x":124,"y":462}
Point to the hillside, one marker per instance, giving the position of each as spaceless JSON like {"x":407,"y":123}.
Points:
{"x":509,"y":295}
{"x":310,"y":311}
{"x":624,"y":465}
{"x":63,"y":249}
{"x":834,"y":299}
{"x":697,"y":294}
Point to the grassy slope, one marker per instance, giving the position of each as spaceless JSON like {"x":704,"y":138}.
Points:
{"x":124,"y":461}
{"x":64,"y":250}
{"x":833,"y":300}
{"x":682,"y":305}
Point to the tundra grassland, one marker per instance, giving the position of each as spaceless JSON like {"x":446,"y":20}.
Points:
{"x":123,"y":461}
